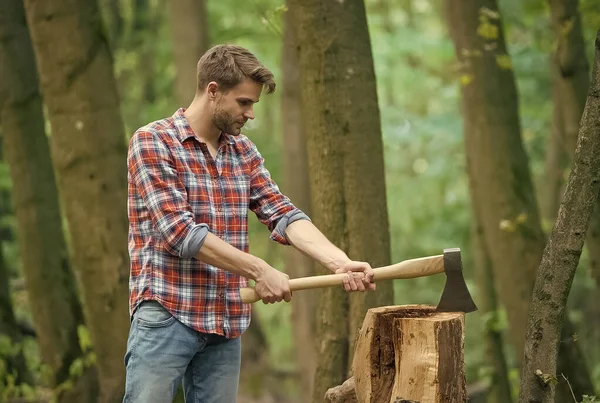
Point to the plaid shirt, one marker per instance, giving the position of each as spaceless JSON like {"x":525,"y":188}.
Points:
{"x":173,"y":186}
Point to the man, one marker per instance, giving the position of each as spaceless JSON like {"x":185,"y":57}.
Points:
{"x":192,"y":179}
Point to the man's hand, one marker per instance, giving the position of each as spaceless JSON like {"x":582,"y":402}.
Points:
{"x":360,"y":276}
{"x":273,"y":286}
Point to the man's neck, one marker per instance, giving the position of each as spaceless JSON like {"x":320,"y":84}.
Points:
{"x":201,"y":123}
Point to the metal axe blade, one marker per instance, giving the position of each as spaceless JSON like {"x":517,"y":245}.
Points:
{"x":456,"y":296}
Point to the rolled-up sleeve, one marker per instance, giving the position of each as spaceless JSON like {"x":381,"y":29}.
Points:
{"x":152,"y":171}
{"x":271,"y":207}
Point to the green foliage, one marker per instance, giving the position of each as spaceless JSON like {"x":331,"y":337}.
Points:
{"x":9,"y":388}
{"x":79,"y":365}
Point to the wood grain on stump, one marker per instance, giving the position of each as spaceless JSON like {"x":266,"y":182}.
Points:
{"x":410,"y":353}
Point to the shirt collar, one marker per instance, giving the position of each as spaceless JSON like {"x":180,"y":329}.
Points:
{"x":184,"y":131}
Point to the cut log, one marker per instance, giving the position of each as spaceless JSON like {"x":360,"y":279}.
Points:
{"x":343,"y":393}
{"x":410,"y":353}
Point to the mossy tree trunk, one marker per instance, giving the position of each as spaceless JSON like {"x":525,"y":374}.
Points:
{"x":561,"y":255}
{"x":89,"y":154}
{"x":345,"y":154}
{"x":50,"y":284}
{"x":297,"y":187}
{"x":189,"y":29}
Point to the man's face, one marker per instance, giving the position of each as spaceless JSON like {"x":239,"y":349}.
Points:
{"x":233,"y":108}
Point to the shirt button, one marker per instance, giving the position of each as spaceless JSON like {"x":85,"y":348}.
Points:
{"x":222,"y":295}
{"x":220,"y":208}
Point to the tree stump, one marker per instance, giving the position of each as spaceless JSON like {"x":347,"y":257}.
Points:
{"x":410,"y":353}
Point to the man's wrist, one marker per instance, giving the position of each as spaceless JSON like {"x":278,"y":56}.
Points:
{"x":337,"y":263}
{"x":257,"y":268}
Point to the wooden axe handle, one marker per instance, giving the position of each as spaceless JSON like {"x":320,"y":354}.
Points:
{"x":420,"y":267}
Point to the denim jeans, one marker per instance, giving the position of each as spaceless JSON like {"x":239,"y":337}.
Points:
{"x":162,"y":353}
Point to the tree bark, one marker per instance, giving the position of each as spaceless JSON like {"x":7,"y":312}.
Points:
{"x":571,"y":77}
{"x":561,"y":255}
{"x":297,"y":187}
{"x":189,"y":28}
{"x":89,"y":153}
{"x":570,"y":83}
{"x":345,"y":154}
{"x":51,"y":286}
{"x":499,"y":385}
{"x":557,"y":157}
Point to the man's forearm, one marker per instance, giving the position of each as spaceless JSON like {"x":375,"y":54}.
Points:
{"x":307,"y":238}
{"x":219,"y":253}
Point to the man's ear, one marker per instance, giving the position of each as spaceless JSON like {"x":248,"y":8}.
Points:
{"x":211,"y":90}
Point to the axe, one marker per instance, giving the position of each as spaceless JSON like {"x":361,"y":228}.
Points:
{"x":455,"y":297}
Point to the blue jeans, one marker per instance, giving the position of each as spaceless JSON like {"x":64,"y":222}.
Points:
{"x":162,"y":352}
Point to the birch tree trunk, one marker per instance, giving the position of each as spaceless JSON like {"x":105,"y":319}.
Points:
{"x":89,"y":153}
{"x":189,"y":28}
{"x":345,"y":154}
{"x":561,"y":255}
{"x":51,"y":286}
{"x":296,"y":186}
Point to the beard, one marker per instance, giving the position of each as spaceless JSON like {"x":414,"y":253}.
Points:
{"x":225,"y":122}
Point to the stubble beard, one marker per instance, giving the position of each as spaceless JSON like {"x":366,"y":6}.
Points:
{"x":225,"y":122}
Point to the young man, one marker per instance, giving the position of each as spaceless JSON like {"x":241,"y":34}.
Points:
{"x":192,"y":179}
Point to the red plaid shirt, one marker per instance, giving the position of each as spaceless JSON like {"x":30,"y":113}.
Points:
{"x":175,"y":185}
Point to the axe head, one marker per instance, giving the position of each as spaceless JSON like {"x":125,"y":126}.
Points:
{"x":456,"y":296}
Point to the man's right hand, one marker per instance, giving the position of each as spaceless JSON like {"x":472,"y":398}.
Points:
{"x":273,"y":286}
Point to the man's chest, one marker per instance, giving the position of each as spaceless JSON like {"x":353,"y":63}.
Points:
{"x":217,"y":189}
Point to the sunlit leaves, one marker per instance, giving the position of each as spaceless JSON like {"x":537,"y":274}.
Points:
{"x":487,"y":24}
{"x":466,"y":79}
{"x":504,"y":62}
{"x":512,"y":225}
{"x":487,"y":30}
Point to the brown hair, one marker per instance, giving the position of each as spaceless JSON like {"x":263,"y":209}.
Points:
{"x":229,"y":65}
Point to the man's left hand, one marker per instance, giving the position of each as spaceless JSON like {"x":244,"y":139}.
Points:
{"x":360,"y":276}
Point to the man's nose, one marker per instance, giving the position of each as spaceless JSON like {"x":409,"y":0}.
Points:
{"x":249,"y":114}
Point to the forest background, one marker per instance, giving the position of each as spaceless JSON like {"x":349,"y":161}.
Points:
{"x":426,"y":200}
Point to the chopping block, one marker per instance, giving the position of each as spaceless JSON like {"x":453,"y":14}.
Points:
{"x":410,"y":353}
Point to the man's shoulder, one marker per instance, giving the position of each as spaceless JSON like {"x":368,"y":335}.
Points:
{"x":162,"y":130}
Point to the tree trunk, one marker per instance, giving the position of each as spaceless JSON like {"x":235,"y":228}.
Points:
{"x":571,"y":76}
{"x":500,"y":181}
{"x":561,"y":255}
{"x":296,"y":186}
{"x":189,"y":28}
{"x":410,"y":353}
{"x":499,"y":386}
{"x":255,"y":360}
{"x":557,"y":157}
{"x":570,"y":83}
{"x":345,"y":154}
{"x":499,"y":177}
{"x":51,"y":286}
{"x":89,"y":154}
